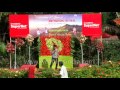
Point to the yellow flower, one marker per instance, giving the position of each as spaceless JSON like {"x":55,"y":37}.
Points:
{"x":5,"y":69}
{"x":16,"y":71}
{"x":90,"y":66}
{"x":15,"y":75}
{"x":106,"y":75}
{"x":110,"y":62}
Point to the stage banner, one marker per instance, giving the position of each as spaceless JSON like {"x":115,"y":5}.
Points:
{"x":55,"y":24}
{"x":64,"y":47}
{"x":92,"y":24}
{"x":19,"y":25}
{"x":36,"y":25}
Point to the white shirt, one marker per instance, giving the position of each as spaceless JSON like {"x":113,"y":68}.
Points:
{"x":63,"y":72}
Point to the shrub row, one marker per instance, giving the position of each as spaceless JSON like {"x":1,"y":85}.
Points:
{"x":7,"y":73}
{"x":107,"y":70}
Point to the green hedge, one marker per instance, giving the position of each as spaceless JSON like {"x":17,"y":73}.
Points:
{"x":47,"y":73}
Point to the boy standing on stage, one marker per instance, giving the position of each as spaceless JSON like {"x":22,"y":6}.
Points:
{"x":55,"y":55}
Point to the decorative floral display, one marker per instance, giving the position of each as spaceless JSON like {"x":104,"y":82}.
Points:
{"x":10,"y":48}
{"x":99,"y":46}
{"x":19,"y":42}
{"x":52,"y":41}
{"x":13,"y":73}
{"x":30,"y":39}
{"x":82,"y":38}
{"x":107,"y":70}
{"x":62,"y":42}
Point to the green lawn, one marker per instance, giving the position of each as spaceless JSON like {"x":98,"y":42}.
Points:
{"x":68,"y":61}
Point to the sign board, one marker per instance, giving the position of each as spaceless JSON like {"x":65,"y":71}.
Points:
{"x":92,"y":24}
{"x":89,"y":24}
{"x":19,"y":25}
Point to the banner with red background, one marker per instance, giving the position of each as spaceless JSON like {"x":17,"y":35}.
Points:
{"x":92,"y":25}
{"x":19,"y":25}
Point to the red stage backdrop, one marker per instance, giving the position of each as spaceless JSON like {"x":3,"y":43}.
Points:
{"x":92,"y":24}
{"x":62,"y":42}
{"x":19,"y":25}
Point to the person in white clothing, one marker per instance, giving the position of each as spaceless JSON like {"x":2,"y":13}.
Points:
{"x":63,"y":71}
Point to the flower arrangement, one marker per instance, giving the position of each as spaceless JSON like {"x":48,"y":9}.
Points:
{"x":10,"y":48}
{"x":19,"y":42}
{"x":29,"y":39}
{"x":52,"y":41}
{"x":62,"y":42}
{"x":82,"y":38}
{"x":99,"y":46}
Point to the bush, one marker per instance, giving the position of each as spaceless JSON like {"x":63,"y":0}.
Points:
{"x":3,"y":51}
{"x":107,"y":70}
{"x":6,"y":73}
{"x":4,"y":63}
{"x":45,"y":64}
{"x":46,"y":73}
{"x":111,"y":50}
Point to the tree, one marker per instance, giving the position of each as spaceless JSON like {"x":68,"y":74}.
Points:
{"x":111,"y":17}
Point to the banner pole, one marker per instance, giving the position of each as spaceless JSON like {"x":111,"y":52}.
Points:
{"x":29,"y":56}
{"x":82,"y":52}
{"x":102,"y":51}
{"x":98,"y":57}
{"x":15,"y":57}
{"x":10,"y":57}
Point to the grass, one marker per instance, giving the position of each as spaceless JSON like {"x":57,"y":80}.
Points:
{"x":67,"y":60}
